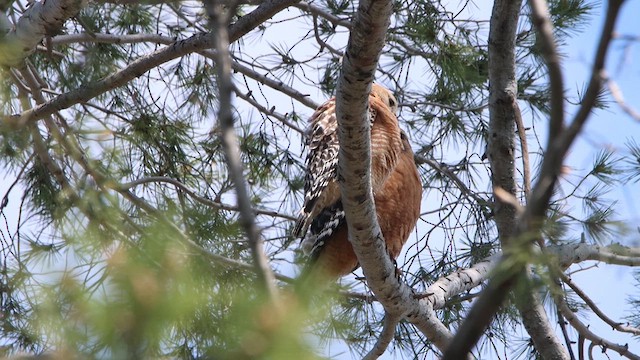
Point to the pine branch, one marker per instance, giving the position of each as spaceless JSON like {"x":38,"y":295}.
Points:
{"x":592,"y":305}
{"x":143,"y":64}
{"x":505,"y":116}
{"x":530,"y":221}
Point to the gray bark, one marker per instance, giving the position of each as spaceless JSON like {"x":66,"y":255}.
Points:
{"x":40,"y":20}
{"x":367,"y":37}
{"x":503,"y":112}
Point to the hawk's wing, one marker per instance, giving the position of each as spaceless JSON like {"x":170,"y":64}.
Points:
{"x":320,"y":186}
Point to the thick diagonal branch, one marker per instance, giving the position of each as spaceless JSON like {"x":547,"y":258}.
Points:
{"x":366,"y":40}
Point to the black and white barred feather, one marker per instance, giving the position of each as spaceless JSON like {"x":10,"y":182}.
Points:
{"x":322,"y":211}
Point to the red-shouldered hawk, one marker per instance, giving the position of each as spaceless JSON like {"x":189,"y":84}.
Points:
{"x":395,"y":181}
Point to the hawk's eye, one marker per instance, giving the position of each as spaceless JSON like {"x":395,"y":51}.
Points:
{"x":392,"y":102}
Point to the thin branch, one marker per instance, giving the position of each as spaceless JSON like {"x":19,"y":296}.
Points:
{"x":584,"y":331}
{"x":276,"y":84}
{"x":384,"y":338}
{"x":540,"y":18}
{"x":615,"y":325}
{"x":321,"y":42}
{"x":524,"y":152}
{"x":597,"y":77}
{"x":415,"y":104}
{"x":229,"y":141}
{"x":198,"y":198}
{"x":269,"y":112}
{"x":616,"y":92}
{"x":444,"y":170}
{"x":318,"y":11}
{"x":565,"y":333}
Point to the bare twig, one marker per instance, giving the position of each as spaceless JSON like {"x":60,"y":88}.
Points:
{"x":269,"y":112}
{"x":616,"y":92}
{"x":615,"y":325}
{"x":318,"y":11}
{"x":584,"y":331}
{"x":524,"y":151}
{"x":276,"y":84}
{"x":565,"y":333}
{"x":198,"y":198}
{"x":444,"y":170}
{"x":321,"y":42}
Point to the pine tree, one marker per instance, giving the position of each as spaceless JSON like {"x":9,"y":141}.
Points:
{"x":154,"y":164}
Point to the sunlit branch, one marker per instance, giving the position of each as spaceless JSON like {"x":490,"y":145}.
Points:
{"x":38,"y":21}
{"x":460,"y":281}
{"x":384,"y":338}
{"x":613,"y":254}
{"x":617,"y":95}
{"x":524,"y":152}
{"x":110,"y":38}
